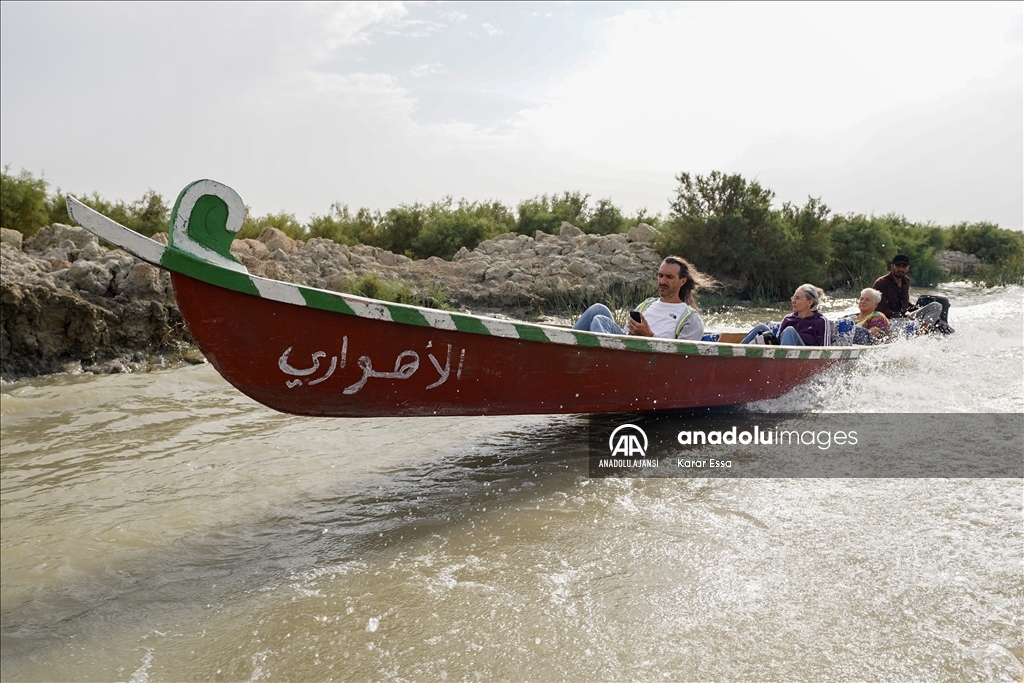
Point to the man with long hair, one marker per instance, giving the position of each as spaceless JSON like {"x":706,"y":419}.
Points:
{"x":672,"y":314}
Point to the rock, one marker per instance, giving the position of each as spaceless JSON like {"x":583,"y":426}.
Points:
{"x":612,"y":244}
{"x":957,"y":262}
{"x":90,"y":251}
{"x":11,"y":238}
{"x":58,"y":314}
{"x":547,"y":249}
{"x":268,"y":269}
{"x":91,"y":277}
{"x":567,"y":229}
{"x":43,"y":325}
{"x":252,"y":254}
{"x":69,"y":302}
{"x":57,"y":254}
{"x":50,"y":236}
{"x":475,"y":270}
{"x":143,"y":282}
{"x":275,"y":239}
{"x":251,"y":248}
{"x":500,"y":273}
{"x":497,"y":245}
{"x":641,"y":233}
{"x":578,"y":268}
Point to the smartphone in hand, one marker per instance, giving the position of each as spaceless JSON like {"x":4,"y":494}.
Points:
{"x":635,"y":315}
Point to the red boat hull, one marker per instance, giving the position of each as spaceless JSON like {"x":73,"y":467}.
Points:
{"x":307,"y":361}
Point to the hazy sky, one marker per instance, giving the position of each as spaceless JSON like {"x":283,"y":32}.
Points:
{"x":912,"y":108}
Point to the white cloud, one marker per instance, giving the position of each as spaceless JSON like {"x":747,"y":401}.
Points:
{"x":323,"y":27}
{"x":717,"y":85}
{"x":700,"y":87}
{"x":454,"y":16}
{"x":432,"y":69}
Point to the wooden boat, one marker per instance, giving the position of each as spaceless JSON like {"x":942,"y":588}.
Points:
{"x":309,"y":351}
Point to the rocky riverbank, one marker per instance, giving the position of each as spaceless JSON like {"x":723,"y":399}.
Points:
{"x":68,"y":304}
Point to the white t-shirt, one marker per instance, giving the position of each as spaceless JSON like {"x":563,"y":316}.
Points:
{"x":663,"y":319}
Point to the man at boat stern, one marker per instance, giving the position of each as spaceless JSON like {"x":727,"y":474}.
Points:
{"x":895,"y":289}
{"x":671,"y":315}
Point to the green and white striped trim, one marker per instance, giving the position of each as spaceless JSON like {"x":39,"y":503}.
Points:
{"x":237,"y":278}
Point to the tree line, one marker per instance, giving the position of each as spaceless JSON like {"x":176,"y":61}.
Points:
{"x":726,"y":225}
{"x":416,"y":230}
{"x":730,"y":227}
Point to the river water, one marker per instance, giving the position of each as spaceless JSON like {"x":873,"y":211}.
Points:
{"x":163,"y":527}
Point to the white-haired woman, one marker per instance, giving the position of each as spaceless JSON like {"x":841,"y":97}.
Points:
{"x":871,"y":326}
{"x":805,"y":326}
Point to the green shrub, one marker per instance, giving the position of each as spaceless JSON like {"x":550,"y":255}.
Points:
{"x":726,"y":227}
{"x":546,"y":213}
{"x":400,"y":228}
{"x":863,"y":246}
{"x":23,"y":204}
{"x":988,"y":242}
{"x":641,"y":216}
{"x":1009,"y":271}
{"x":807,"y":232}
{"x":344,"y":228}
{"x":447,"y":229}
{"x":373,"y":286}
{"x":724,"y":224}
{"x":605,"y":219}
{"x":1001,"y":250}
{"x":147,"y":215}
{"x":252,"y":226}
{"x":861,"y":250}
{"x":920,"y":242}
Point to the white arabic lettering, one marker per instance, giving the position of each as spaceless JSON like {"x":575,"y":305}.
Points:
{"x":402,"y":371}
{"x":287,"y":369}
{"x":330,"y":371}
{"x":437,"y":366}
{"x":406,"y":365}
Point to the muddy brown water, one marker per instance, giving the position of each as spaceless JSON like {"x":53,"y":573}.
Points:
{"x":163,"y":527}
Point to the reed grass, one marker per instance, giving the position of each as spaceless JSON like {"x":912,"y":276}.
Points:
{"x":373,"y":286}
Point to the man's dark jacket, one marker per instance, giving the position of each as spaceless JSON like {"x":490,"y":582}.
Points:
{"x":895,"y":295}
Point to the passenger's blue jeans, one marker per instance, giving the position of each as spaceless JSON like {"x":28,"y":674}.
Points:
{"x":789,"y":337}
{"x":598,"y":318}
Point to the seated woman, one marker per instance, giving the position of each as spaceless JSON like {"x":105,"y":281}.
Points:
{"x":871,"y":326}
{"x":805,"y":326}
